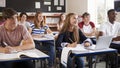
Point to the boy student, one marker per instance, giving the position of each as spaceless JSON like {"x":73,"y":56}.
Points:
{"x":86,"y":26}
{"x":13,"y":37}
{"x":111,"y":28}
{"x":70,"y":36}
{"x":23,"y":17}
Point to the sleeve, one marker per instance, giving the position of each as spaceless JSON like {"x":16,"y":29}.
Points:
{"x":59,"y":41}
{"x":25,"y":33}
{"x":88,"y":40}
{"x":92,"y":24}
{"x":81,"y":25}
{"x":32,"y":25}
{"x":46,"y":27}
{"x":27,"y":25}
{"x":82,"y":36}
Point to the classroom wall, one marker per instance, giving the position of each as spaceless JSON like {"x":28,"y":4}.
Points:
{"x":118,"y":17}
{"x":76,"y":6}
{"x":81,"y":6}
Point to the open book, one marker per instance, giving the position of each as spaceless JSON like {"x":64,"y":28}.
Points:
{"x":34,"y":53}
{"x":67,"y":50}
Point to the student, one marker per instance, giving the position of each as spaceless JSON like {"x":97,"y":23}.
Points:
{"x":61,"y":22}
{"x":39,"y":28}
{"x":23,"y":17}
{"x":13,"y":37}
{"x":70,"y":36}
{"x":86,"y":26}
{"x":111,"y":28}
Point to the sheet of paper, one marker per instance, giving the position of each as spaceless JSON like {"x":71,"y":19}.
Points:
{"x":62,"y":2}
{"x":59,"y":8}
{"x":47,"y":3}
{"x":64,"y":56}
{"x":8,"y":56}
{"x":49,"y":8}
{"x":2,"y":3}
{"x":55,"y":2}
{"x":67,"y":50}
{"x":37,"y":5}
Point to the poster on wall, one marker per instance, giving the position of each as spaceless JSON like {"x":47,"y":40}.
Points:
{"x":2,"y":3}
{"x":55,"y":2}
{"x":37,"y":5}
{"x":62,"y":2}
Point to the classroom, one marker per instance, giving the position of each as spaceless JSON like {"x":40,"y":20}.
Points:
{"x":60,"y":34}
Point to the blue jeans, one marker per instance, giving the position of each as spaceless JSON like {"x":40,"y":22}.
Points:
{"x":79,"y":61}
{"x":49,"y":47}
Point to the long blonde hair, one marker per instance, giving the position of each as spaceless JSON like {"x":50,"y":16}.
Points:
{"x":36,"y":20}
{"x":66,"y":27}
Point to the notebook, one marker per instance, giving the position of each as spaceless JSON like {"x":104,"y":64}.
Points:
{"x":102,"y":43}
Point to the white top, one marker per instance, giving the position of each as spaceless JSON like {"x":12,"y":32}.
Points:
{"x":87,"y":28}
{"x":109,"y":29}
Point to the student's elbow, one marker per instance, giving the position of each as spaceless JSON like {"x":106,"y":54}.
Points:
{"x":32,"y":44}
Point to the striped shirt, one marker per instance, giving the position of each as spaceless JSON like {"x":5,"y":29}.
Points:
{"x":40,"y":30}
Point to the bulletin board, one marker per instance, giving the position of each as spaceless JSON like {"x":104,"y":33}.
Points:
{"x":35,"y":5}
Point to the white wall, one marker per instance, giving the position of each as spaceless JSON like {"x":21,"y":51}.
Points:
{"x":81,"y":6}
{"x":76,"y":6}
{"x":118,"y":17}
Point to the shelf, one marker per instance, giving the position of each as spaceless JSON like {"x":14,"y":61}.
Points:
{"x":52,"y":25}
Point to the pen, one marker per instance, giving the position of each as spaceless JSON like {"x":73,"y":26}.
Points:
{"x":5,"y":43}
{"x":71,"y":40}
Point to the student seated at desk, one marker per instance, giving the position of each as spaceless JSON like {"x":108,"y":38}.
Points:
{"x":23,"y":17}
{"x":86,"y":26}
{"x":14,"y":37}
{"x":39,"y":28}
{"x":61,"y":22}
{"x":70,"y":36}
{"x":111,"y":28}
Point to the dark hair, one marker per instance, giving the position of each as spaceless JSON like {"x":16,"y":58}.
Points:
{"x":110,"y":11}
{"x":85,"y":14}
{"x":8,"y":13}
{"x":23,"y":13}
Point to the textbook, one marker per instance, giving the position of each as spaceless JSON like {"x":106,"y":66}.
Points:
{"x":34,"y":53}
{"x":67,"y":50}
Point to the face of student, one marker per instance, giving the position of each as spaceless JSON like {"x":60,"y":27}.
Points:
{"x":112,"y":16}
{"x":86,"y":18}
{"x":63,"y":17}
{"x":24,"y":17}
{"x":11,"y":22}
{"x":73,"y":20}
{"x":40,"y":17}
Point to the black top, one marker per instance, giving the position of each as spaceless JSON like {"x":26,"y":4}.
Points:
{"x":66,"y":36}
